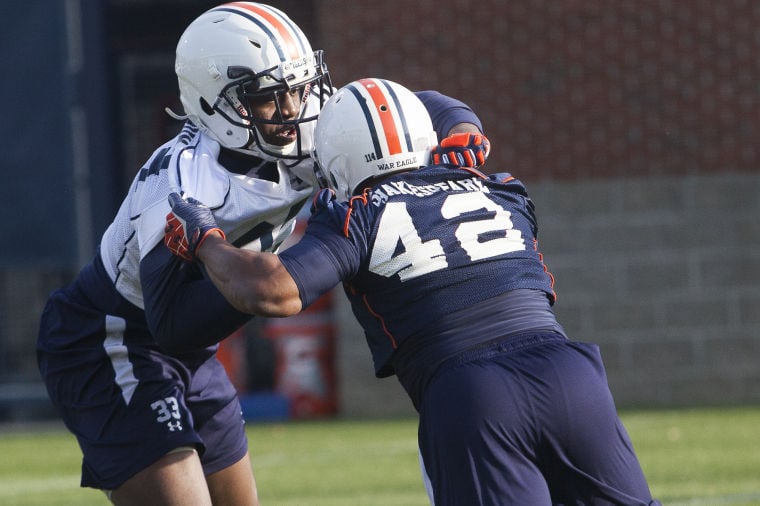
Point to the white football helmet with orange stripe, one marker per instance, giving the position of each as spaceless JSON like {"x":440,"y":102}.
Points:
{"x":242,"y":51}
{"x":371,"y":128}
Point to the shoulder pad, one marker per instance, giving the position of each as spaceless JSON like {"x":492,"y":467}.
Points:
{"x":202,"y":176}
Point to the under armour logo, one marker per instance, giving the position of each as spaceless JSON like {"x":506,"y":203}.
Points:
{"x":174,"y":426}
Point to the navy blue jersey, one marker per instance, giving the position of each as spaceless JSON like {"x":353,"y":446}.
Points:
{"x":418,"y":248}
{"x":443,"y":272}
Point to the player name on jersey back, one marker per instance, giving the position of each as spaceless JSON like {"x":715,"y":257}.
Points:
{"x":381,"y":192}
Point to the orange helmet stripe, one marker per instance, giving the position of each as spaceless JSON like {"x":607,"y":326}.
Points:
{"x":287,"y":39}
{"x":382,"y":103}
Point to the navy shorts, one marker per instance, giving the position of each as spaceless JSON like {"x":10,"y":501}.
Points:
{"x":127,"y":403}
{"x":529,"y":420}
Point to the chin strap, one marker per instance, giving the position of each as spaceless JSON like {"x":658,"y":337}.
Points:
{"x":180,"y":117}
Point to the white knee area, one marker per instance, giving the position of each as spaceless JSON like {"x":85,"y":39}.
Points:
{"x":181,"y":449}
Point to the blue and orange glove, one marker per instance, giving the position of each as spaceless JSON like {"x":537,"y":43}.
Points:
{"x":187,"y":225}
{"x":463,"y":150}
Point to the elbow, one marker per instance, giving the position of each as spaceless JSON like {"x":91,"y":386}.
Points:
{"x":168,"y":342}
{"x":174,"y":339}
{"x":179,"y":336}
{"x":171,"y":347}
{"x":200,"y":335}
{"x":280,"y":310}
{"x":265,"y":297}
{"x":270,"y":307}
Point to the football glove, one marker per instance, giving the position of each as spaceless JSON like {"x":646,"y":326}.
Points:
{"x":463,"y":150}
{"x":187,"y":225}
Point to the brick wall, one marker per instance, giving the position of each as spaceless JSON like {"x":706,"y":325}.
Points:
{"x":573,"y":88}
{"x":635,"y":126}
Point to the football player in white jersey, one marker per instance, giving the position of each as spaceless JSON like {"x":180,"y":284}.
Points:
{"x":128,"y":349}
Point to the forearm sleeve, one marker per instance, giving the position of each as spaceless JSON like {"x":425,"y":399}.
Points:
{"x":185,"y":311}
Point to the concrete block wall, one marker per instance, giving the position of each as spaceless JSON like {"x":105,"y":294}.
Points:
{"x":663,"y":274}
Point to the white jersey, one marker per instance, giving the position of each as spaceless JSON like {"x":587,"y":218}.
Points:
{"x":254,"y":213}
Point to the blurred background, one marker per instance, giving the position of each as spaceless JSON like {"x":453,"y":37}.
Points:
{"x":635,"y":126}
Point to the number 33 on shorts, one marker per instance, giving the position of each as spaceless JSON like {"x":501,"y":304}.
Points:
{"x":167,"y":411}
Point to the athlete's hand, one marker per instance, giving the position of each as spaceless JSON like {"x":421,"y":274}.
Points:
{"x":187,"y":225}
{"x":462,"y":150}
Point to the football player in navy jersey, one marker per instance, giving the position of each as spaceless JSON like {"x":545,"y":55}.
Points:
{"x":443,"y":272}
{"x":128,"y":350}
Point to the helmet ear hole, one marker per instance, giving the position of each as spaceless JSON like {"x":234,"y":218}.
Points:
{"x":206,"y":107}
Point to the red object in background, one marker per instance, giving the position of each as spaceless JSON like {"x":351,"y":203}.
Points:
{"x":305,"y":351}
{"x":232,"y":355}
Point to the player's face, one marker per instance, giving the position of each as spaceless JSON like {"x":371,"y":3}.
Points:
{"x":285,"y":105}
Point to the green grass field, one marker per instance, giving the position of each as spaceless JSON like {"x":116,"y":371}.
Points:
{"x":700,"y":457}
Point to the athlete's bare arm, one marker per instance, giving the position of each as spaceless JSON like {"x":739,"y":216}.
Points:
{"x":253,"y":282}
